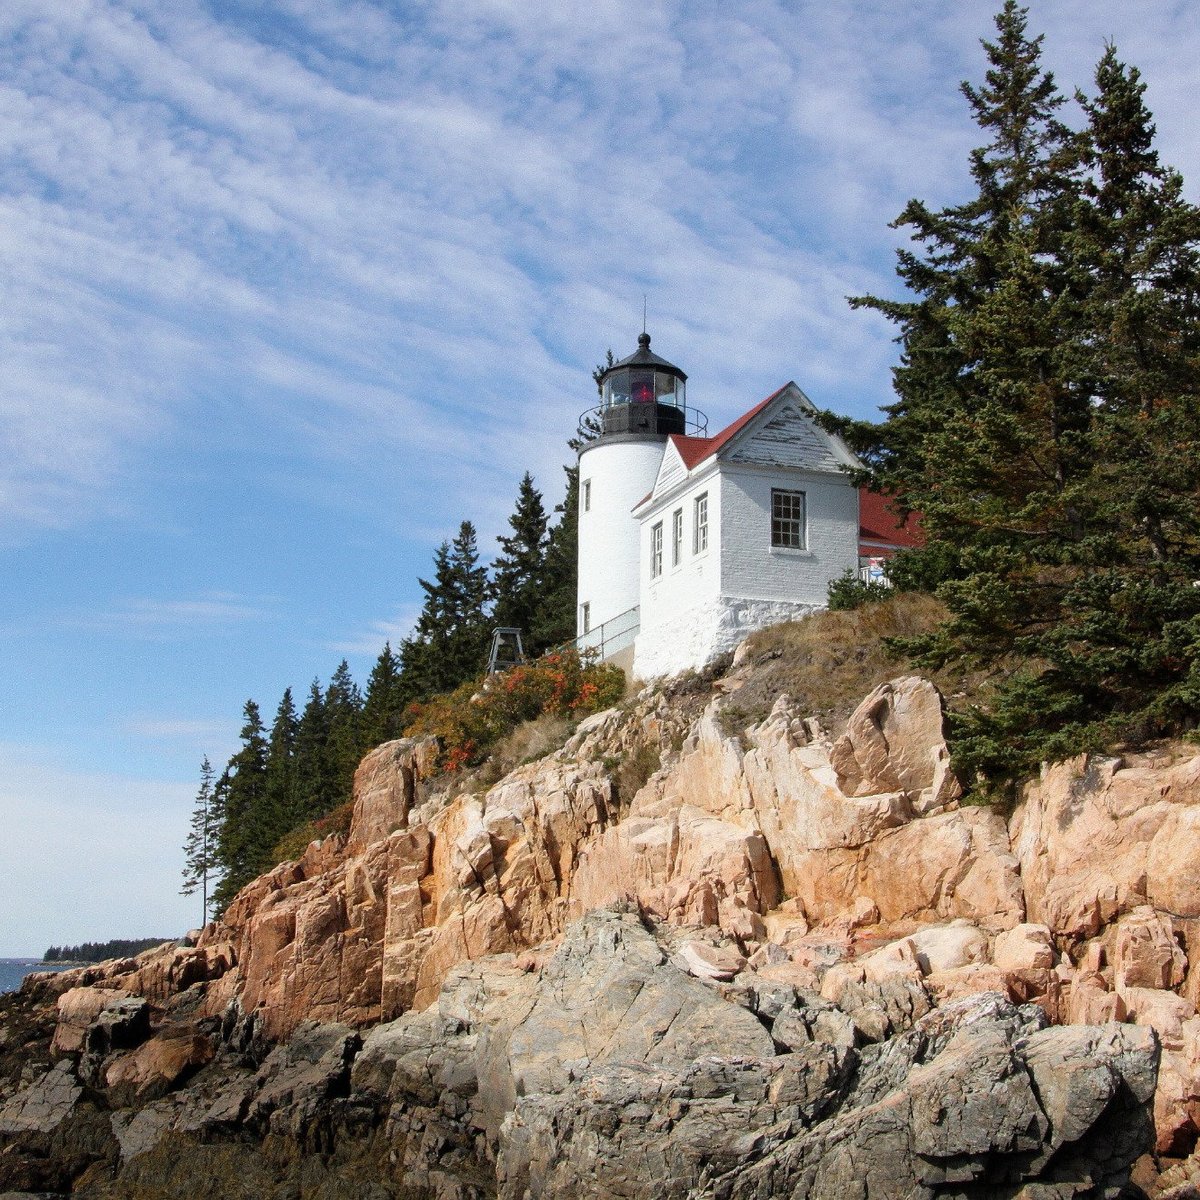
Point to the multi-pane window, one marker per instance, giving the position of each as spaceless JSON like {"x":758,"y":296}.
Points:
{"x":700,"y":525}
{"x":787,"y":519}
{"x":676,"y":537}
{"x":587,"y":495}
{"x":656,"y":550}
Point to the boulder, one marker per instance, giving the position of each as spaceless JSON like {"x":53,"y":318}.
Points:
{"x":1024,"y":948}
{"x":895,"y":741}
{"x":1145,"y":953}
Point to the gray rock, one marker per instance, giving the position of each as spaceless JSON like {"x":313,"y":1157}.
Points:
{"x":45,"y":1104}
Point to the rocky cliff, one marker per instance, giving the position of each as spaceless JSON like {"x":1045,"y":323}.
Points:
{"x":677,"y":955}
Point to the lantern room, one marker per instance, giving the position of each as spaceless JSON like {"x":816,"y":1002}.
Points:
{"x":643,"y":394}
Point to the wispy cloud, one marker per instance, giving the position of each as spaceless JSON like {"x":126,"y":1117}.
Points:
{"x":153,"y":617}
{"x":370,"y":641}
{"x":360,"y":220}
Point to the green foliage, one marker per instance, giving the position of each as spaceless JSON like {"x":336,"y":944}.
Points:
{"x":848,"y":591}
{"x":94,"y":952}
{"x":294,"y":843}
{"x":518,"y":582}
{"x":453,"y":631}
{"x":1047,"y":422}
{"x":245,"y":839}
{"x":388,"y":694}
{"x":470,"y":720}
{"x":200,"y":862}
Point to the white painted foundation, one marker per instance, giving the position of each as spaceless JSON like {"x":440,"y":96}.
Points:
{"x":690,"y":639}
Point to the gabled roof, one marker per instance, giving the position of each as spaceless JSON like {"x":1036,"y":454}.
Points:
{"x":694,"y":450}
{"x":878,"y":522}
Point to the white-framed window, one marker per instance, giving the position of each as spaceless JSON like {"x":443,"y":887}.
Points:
{"x":585,"y":618}
{"x":676,"y":537}
{"x":788,"y":520}
{"x":656,"y":547}
{"x":700,"y":525}
{"x":587,"y":495}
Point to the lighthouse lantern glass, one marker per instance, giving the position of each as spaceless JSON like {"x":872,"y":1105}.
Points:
{"x":642,"y":386}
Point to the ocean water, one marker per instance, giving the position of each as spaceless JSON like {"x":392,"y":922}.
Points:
{"x":13,"y":970}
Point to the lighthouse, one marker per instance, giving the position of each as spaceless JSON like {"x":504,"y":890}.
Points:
{"x":642,"y":402}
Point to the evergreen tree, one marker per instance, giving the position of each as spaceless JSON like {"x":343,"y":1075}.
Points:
{"x":314,"y":776}
{"x":281,"y":805}
{"x":555,"y":622}
{"x":343,"y":706}
{"x":247,"y":831}
{"x":450,"y":643}
{"x":200,"y":849}
{"x":387,"y":695}
{"x":518,"y":574}
{"x":1036,"y":418}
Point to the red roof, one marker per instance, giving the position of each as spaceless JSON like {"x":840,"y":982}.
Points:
{"x":877,"y":522}
{"x":694,"y":450}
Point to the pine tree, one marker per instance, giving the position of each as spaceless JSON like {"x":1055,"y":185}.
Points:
{"x":200,"y":848}
{"x":518,"y":573}
{"x":557,"y":619}
{"x":1120,"y":660}
{"x":450,"y":643}
{"x":343,"y":706}
{"x":555,"y":622}
{"x":281,"y":803}
{"x":388,"y":692}
{"x":314,"y":776}
{"x":1037,"y":427}
{"x":247,"y":830}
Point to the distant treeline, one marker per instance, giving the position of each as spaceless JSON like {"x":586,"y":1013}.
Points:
{"x":92,"y":952}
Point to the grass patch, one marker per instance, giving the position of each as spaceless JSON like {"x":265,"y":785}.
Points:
{"x":829,"y":661}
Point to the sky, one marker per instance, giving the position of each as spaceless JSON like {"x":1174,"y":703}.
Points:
{"x":291,"y":288}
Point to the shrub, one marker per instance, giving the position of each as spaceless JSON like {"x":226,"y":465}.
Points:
{"x":848,"y":592}
{"x":293,"y":844}
{"x":469,"y":721}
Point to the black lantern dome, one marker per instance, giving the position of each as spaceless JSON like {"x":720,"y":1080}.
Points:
{"x":644,"y":394}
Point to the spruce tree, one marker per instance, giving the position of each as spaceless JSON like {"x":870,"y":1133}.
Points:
{"x":343,"y":706}
{"x":281,"y":804}
{"x":518,"y":573}
{"x":1036,"y":417}
{"x":449,"y":645}
{"x":247,"y":830}
{"x":555,"y":621}
{"x":388,"y":692}
{"x":200,"y":849}
{"x":314,"y":775}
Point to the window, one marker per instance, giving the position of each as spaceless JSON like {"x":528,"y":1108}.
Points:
{"x":656,"y":551}
{"x":585,"y":618}
{"x":676,"y":537}
{"x":587,"y":495}
{"x":787,"y":519}
{"x":700,"y":526}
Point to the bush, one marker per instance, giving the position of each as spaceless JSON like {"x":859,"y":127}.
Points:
{"x":293,"y":844}
{"x":474,"y":717}
{"x":850,"y":592}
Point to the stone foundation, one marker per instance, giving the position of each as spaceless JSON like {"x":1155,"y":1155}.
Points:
{"x":691,"y":639}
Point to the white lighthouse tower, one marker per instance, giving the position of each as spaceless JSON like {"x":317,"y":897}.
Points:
{"x":642,"y":402}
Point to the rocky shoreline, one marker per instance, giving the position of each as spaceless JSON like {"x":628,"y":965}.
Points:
{"x":780,"y":962}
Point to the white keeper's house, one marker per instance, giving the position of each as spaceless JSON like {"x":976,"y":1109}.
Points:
{"x":688,"y":542}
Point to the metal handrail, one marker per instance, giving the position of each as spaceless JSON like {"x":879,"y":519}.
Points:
{"x":695,"y":421}
{"x":601,"y":639}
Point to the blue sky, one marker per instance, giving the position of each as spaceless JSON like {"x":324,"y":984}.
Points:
{"x":290,"y":289}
